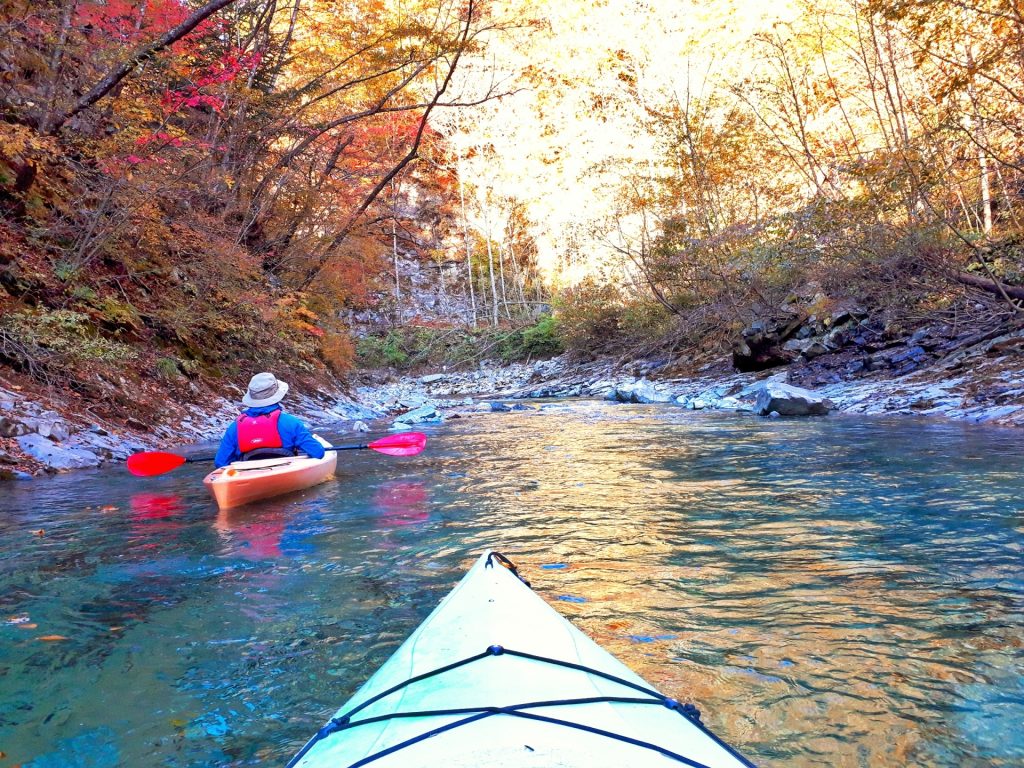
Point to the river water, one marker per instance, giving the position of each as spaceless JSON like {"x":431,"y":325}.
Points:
{"x":829,"y":592}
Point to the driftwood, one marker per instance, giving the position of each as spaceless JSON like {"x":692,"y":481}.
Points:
{"x":992,"y":286}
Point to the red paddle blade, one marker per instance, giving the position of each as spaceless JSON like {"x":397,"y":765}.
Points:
{"x":402,"y":444}
{"x":153,"y":463}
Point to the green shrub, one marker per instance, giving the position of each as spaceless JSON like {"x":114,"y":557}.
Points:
{"x":65,"y":271}
{"x":167,"y":368}
{"x":543,"y":339}
{"x":418,"y":347}
{"x":70,"y":335}
{"x":84,"y":293}
{"x":381,"y":351}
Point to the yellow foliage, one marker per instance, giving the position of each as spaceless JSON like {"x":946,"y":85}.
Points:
{"x":338,"y":352}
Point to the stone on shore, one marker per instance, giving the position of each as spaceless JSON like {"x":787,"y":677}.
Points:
{"x":10,"y":427}
{"x":787,"y":400}
{"x":425,"y":414}
{"x":641,"y":391}
{"x":55,"y":456}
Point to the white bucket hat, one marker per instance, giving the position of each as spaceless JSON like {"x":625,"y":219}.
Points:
{"x":264,"y":389}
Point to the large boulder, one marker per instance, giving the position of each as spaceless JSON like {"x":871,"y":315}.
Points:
{"x":425,"y":414}
{"x":56,"y":457}
{"x":808,"y":348}
{"x":641,"y":391}
{"x":787,"y":400}
{"x":760,"y":345}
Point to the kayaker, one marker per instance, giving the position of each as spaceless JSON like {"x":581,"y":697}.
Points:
{"x":264,"y":430}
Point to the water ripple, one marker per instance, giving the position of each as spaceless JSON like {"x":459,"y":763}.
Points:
{"x":830,"y":592}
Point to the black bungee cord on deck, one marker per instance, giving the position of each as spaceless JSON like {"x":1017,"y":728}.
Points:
{"x":345,"y":721}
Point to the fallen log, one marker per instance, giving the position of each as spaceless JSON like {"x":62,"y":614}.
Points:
{"x":992,"y":286}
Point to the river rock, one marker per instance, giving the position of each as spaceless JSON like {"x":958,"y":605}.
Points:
{"x":55,"y":456}
{"x":412,"y":400}
{"x":500,"y":407}
{"x":808,"y":348}
{"x":996,"y":414}
{"x":433,"y":377}
{"x":760,"y":345}
{"x":360,"y":426}
{"x":55,"y":430}
{"x":641,"y":391}
{"x":788,"y":400}
{"x":426,"y":414}
{"x":731,"y":404}
{"x":14,"y":474}
{"x":10,"y":427}
{"x":548,"y":367}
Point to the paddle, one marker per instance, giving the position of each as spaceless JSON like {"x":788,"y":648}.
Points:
{"x":150,"y":463}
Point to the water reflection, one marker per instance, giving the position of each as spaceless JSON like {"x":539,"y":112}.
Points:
{"x":252,"y":532}
{"x":829,"y":592}
{"x":401,"y":503}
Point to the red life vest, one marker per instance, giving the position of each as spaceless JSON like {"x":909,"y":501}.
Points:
{"x":259,"y":432}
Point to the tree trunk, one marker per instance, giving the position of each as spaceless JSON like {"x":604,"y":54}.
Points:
{"x":469,"y":248}
{"x":490,"y":264}
{"x":397,"y":283}
{"x":50,"y":99}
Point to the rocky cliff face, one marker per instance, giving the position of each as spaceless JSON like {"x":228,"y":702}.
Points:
{"x":429,"y":291}
{"x":425,"y":279}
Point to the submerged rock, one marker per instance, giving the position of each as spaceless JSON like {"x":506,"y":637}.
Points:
{"x":14,"y":474}
{"x":787,"y":400}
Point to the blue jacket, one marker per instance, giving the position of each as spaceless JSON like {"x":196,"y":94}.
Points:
{"x":294,"y":437}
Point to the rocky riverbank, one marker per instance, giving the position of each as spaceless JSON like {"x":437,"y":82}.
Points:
{"x":977,"y":379}
{"x":41,"y":432}
{"x":842,"y":367}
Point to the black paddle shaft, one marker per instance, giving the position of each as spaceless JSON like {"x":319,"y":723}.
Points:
{"x":327,"y":448}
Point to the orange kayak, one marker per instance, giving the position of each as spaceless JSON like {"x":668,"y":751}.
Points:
{"x":243,"y":482}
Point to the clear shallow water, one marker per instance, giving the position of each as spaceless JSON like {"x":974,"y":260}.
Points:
{"x":829,"y":592}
